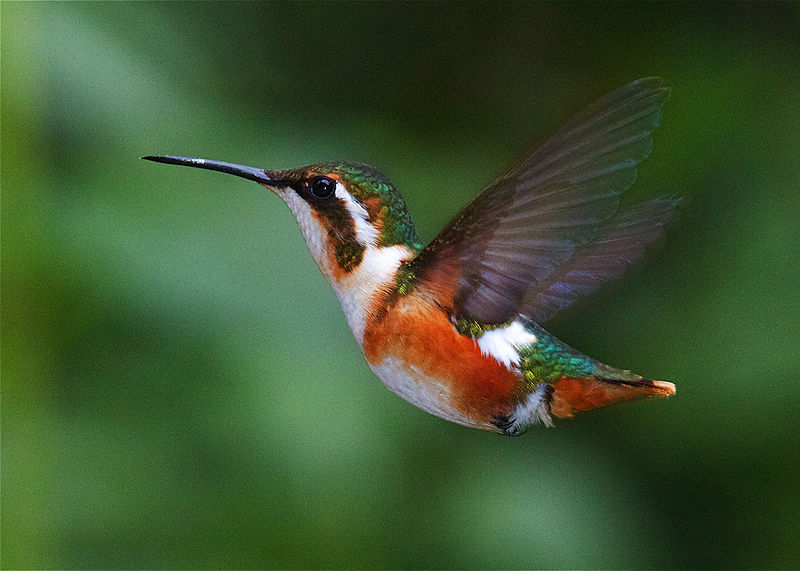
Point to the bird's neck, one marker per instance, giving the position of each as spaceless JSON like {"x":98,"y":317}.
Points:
{"x":362,"y":290}
{"x":352,"y":256}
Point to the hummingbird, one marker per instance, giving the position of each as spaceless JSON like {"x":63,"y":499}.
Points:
{"x":454,"y":326}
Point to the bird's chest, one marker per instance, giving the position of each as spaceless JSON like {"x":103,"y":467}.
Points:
{"x":417,"y":353}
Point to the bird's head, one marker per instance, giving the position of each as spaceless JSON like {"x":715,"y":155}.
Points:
{"x":344,"y":209}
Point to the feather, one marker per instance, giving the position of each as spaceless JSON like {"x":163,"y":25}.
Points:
{"x":510,"y":248}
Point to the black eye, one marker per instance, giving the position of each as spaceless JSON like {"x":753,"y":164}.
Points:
{"x":322,"y":187}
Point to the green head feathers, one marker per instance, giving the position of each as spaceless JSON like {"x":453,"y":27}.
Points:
{"x":386,"y":207}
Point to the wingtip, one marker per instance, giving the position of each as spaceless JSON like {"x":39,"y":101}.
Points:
{"x":655,"y":85}
{"x":650,"y":81}
{"x":668,"y":201}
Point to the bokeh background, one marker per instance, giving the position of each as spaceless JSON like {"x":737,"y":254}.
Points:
{"x":179,"y":386}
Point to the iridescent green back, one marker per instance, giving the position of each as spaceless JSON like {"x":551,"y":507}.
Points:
{"x":550,"y":358}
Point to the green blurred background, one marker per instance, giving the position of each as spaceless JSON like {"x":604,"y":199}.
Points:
{"x":179,"y":386}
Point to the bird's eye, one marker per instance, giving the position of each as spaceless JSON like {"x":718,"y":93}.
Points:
{"x":322,"y":187}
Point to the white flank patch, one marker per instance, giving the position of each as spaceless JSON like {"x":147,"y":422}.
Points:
{"x":532,"y":410}
{"x":502,"y":343}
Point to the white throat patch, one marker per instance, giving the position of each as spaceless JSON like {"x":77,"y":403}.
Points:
{"x":378,"y":266}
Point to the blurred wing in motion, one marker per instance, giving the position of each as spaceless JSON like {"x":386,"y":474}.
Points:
{"x":524,"y":243}
{"x":620,"y":241}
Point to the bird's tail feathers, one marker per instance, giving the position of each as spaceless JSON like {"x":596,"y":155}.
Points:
{"x":571,"y":395}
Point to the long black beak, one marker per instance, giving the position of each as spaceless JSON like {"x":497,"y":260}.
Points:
{"x":250,"y":173}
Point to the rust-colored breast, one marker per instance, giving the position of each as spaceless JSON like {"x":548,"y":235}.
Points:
{"x":419,"y":334}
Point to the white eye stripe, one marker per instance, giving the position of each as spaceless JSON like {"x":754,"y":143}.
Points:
{"x":366,"y":233}
{"x":357,"y":206}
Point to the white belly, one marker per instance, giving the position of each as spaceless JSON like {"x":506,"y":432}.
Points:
{"x":411,"y":384}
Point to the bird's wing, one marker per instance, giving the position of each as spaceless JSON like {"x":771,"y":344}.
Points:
{"x":502,"y":253}
{"x":620,"y":241}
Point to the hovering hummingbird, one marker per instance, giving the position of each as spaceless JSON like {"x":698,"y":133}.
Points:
{"x":453,"y":326}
